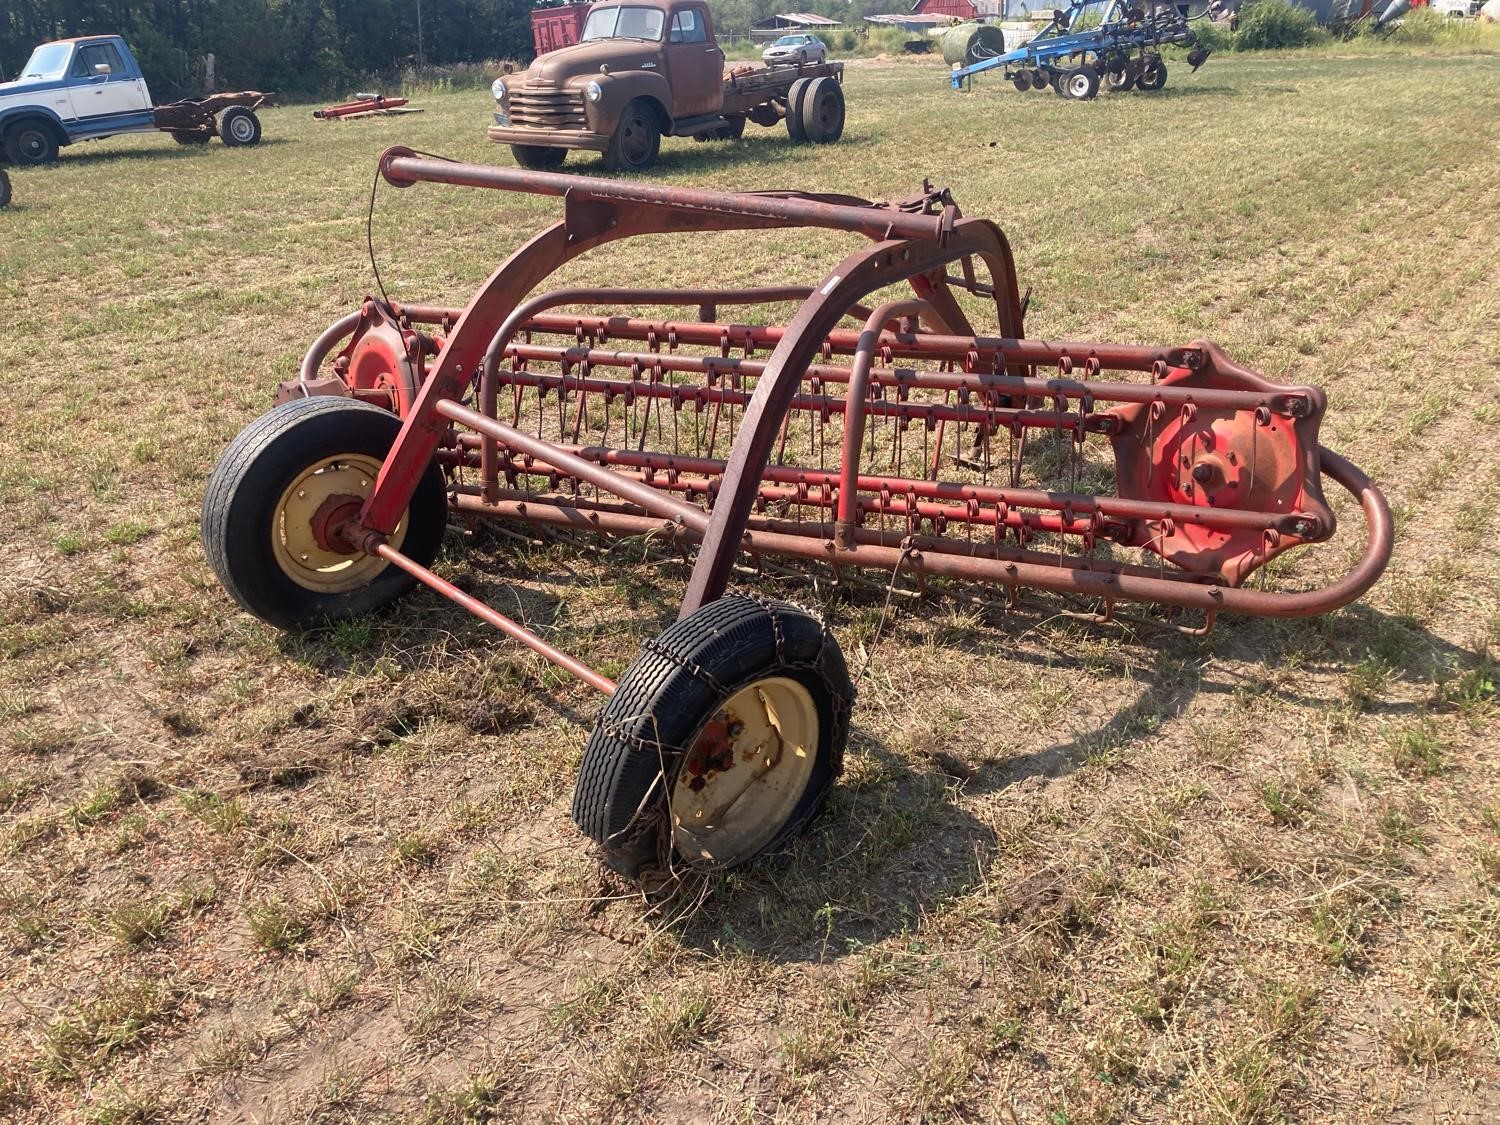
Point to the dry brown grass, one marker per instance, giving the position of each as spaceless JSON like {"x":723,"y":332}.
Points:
{"x":1097,"y":875}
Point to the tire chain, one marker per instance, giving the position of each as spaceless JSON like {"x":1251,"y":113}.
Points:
{"x":649,"y":819}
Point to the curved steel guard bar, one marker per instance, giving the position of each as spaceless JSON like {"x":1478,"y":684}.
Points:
{"x":401,"y":168}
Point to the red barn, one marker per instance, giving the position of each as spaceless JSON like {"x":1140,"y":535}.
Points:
{"x":957,"y":9}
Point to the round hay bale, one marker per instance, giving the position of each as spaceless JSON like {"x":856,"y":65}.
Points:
{"x":969,"y":43}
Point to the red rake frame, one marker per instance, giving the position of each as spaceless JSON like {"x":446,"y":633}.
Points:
{"x":725,"y":734}
{"x":1218,"y":469}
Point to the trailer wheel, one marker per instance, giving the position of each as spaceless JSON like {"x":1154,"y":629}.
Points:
{"x":239,"y":127}
{"x":1153,"y":75}
{"x":31,"y":142}
{"x":721,"y":741}
{"x":1120,"y":80}
{"x":796,"y":128}
{"x":1081,"y":83}
{"x":4,"y":190}
{"x":637,"y":139}
{"x":539,"y":158}
{"x":308,"y":461}
{"x":823,"y":111}
{"x":183,"y":137}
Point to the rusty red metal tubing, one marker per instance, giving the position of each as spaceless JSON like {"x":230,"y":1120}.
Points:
{"x":1111,"y":506}
{"x":651,"y":499}
{"x":402,"y":168}
{"x":376,"y":545}
{"x":1009,"y":567}
{"x":596,"y":295}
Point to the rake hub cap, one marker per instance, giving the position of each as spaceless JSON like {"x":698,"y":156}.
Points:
{"x":305,"y":533}
{"x":746,"y":773}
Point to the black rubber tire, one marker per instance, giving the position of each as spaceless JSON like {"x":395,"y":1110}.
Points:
{"x":1153,"y":76}
{"x":667,"y":696}
{"x":796,"y":129}
{"x":637,"y":139}
{"x":539,"y":158}
{"x":245,"y":486}
{"x":239,"y":127}
{"x":31,"y":143}
{"x":823,"y":111}
{"x":186,"y":138}
{"x":1119,"y":81}
{"x":4,"y":190}
{"x":1081,"y":83}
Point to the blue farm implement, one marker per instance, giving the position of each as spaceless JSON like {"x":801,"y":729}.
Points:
{"x":1114,"y":44}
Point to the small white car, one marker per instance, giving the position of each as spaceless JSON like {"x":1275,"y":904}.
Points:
{"x":796,"y":49}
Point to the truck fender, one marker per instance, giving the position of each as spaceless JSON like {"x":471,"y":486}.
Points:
{"x":18,"y":114}
{"x":625,"y":88}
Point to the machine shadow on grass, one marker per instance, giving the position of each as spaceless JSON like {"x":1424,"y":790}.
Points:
{"x":94,"y":156}
{"x":895,"y":842}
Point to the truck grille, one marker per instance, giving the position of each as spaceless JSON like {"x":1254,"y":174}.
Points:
{"x":547,"y":109}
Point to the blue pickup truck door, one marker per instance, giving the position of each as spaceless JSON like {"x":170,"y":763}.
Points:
{"x":99,"y":97}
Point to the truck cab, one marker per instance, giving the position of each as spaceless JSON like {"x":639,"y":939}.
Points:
{"x":645,"y":67}
{"x":72,"y":90}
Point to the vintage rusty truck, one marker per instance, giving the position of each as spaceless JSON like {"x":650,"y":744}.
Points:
{"x":645,"y":69}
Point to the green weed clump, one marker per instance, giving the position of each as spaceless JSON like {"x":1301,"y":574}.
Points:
{"x":1274,"y":25}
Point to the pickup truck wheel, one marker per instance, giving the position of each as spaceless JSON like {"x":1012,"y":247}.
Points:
{"x":796,"y":128}
{"x":823,"y":111}
{"x":186,"y":138}
{"x":4,"y":190}
{"x":539,"y":158}
{"x":30,"y":142}
{"x":637,"y":139}
{"x":239,"y":127}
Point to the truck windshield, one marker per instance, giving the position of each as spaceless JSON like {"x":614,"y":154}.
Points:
{"x":624,"y":23}
{"x":49,"y":60}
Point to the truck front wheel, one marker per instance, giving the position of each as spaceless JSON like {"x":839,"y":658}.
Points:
{"x":539,"y":158}
{"x":637,"y":139}
{"x":30,"y":142}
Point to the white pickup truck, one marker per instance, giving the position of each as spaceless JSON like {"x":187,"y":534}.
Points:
{"x":91,"y":88}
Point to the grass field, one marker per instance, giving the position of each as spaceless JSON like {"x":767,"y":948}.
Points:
{"x":1095,"y":874}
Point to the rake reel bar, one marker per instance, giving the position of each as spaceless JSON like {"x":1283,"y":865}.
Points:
{"x":897,"y":438}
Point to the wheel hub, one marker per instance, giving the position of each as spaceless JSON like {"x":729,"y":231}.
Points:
{"x":306,"y":531}
{"x":746,"y":773}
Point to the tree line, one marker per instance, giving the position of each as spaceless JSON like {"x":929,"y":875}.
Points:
{"x":294,"y":47}
{"x":321,"y":47}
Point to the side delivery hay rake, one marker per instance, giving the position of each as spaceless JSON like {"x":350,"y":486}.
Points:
{"x":894,"y":437}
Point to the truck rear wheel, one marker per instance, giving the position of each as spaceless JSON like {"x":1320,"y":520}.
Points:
{"x":823,"y":111}
{"x":637,"y":139}
{"x":795,"y":128}
{"x":30,"y":142}
{"x":539,"y":158}
{"x":239,"y":127}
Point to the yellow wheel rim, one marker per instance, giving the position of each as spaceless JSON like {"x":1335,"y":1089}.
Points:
{"x":297,"y":550}
{"x":746,"y":774}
